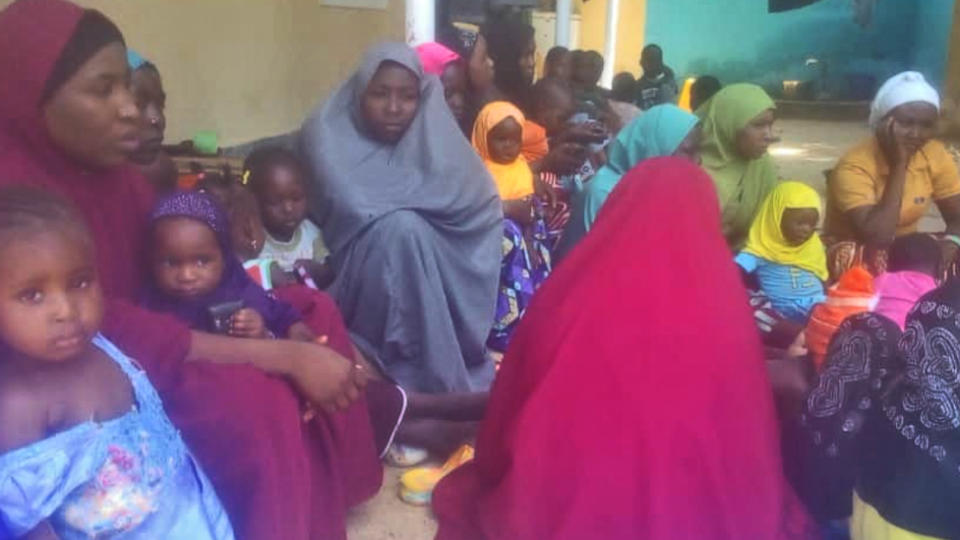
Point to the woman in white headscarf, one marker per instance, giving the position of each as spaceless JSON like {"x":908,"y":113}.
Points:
{"x":883,"y":187}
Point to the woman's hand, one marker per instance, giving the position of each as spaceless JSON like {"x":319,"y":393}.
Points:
{"x":247,"y":323}
{"x":320,"y":375}
{"x":546,"y":192}
{"x":948,"y":256}
{"x":519,"y":210}
{"x":585,"y":133}
{"x":565,"y":158}
{"x":326,"y":379}
{"x":893,"y":147}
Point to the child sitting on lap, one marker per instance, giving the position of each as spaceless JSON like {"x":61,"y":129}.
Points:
{"x":912,"y":268}
{"x":276,"y":178}
{"x":196,"y":276}
{"x":86,"y":449}
{"x":785,"y":253}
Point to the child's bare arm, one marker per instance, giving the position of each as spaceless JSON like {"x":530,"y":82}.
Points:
{"x":22,"y":422}
{"x":43,"y":531}
{"x":23,"y":414}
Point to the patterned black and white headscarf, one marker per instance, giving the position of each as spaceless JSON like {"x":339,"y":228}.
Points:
{"x":884,"y":417}
{"x":925,"y":406}
{"x":861,"y":362}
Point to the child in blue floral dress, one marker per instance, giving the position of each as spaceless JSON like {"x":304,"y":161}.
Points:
{"x":86,"y":450}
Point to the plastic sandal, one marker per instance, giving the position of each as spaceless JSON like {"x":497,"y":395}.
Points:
{"x":403,"y":456}
{"x":416,"y":486}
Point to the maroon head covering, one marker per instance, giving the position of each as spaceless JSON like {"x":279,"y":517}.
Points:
{"x":33,"y":36}
{"x":33,"y":33}
{"x":649,"y":414}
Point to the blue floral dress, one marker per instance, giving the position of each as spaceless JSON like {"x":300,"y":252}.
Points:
{"x":129,"y":477}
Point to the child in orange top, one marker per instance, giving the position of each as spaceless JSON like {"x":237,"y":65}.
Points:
{"x":853,"y":294}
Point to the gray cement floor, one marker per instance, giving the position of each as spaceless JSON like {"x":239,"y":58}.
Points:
{"x":387,"y":517}
{"x":807,"y":148}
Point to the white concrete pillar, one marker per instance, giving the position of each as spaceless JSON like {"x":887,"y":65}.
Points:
{"x":564,"y":10}
{"x":610,"y":43}
{"x":420,"y":22}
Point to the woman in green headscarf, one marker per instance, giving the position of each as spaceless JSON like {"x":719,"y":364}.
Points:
{"x":737,"y":131}
{"x":664,"y":130}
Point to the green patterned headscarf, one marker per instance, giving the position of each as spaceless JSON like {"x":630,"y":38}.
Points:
{"x":741,"y":184}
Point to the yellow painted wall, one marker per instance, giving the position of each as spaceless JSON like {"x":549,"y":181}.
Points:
{"x":247,"y":68}
{"x":952,"y":78}
{"x":630,"y":27}
{"x":951,"y":94}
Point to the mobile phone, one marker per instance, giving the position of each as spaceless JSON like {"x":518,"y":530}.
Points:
{"x":220,"y":315}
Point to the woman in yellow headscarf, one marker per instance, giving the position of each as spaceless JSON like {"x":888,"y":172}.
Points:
{"x":785,"y":252}
{"x":498,"y":138}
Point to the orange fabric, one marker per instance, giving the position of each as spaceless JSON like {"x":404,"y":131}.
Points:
{"x":861,"y":176}
{"x":535,"y":146}
{"x":188,"y":181}
{"x":853,"y":294}
{"x":514,"y":180}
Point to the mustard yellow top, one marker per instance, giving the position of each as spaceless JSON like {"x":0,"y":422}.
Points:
{"x":861,"y":177}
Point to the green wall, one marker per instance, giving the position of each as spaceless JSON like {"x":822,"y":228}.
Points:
{"x":737,"y":40}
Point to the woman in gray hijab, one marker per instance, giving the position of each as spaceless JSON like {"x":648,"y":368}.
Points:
{"x":413,"y":222}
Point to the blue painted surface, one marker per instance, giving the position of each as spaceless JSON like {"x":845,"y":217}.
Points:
{"x":737,"y":40}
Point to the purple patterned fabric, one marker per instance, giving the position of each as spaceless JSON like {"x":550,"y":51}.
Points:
{"x":235,"y":283}
{"x":520,"y":276}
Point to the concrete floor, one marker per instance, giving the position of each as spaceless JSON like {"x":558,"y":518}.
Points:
{"x":807,"y":148}
{"x":387,"y":517}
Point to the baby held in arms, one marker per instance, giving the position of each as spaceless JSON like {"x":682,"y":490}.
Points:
{"x":196,"y":276}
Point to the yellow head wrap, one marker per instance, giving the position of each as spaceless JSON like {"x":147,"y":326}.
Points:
{"x":766,"y":238}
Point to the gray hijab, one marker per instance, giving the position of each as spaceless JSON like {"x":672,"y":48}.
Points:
{"x":415,"y":231}
{"x":432,"y":170}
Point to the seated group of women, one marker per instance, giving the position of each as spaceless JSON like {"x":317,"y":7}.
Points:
{"x":876,"y":196}
{"x":288,"y":432}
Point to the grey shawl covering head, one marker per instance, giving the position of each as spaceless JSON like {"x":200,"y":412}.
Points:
{"x":415,"y":233}
{"x":432,"y":170}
